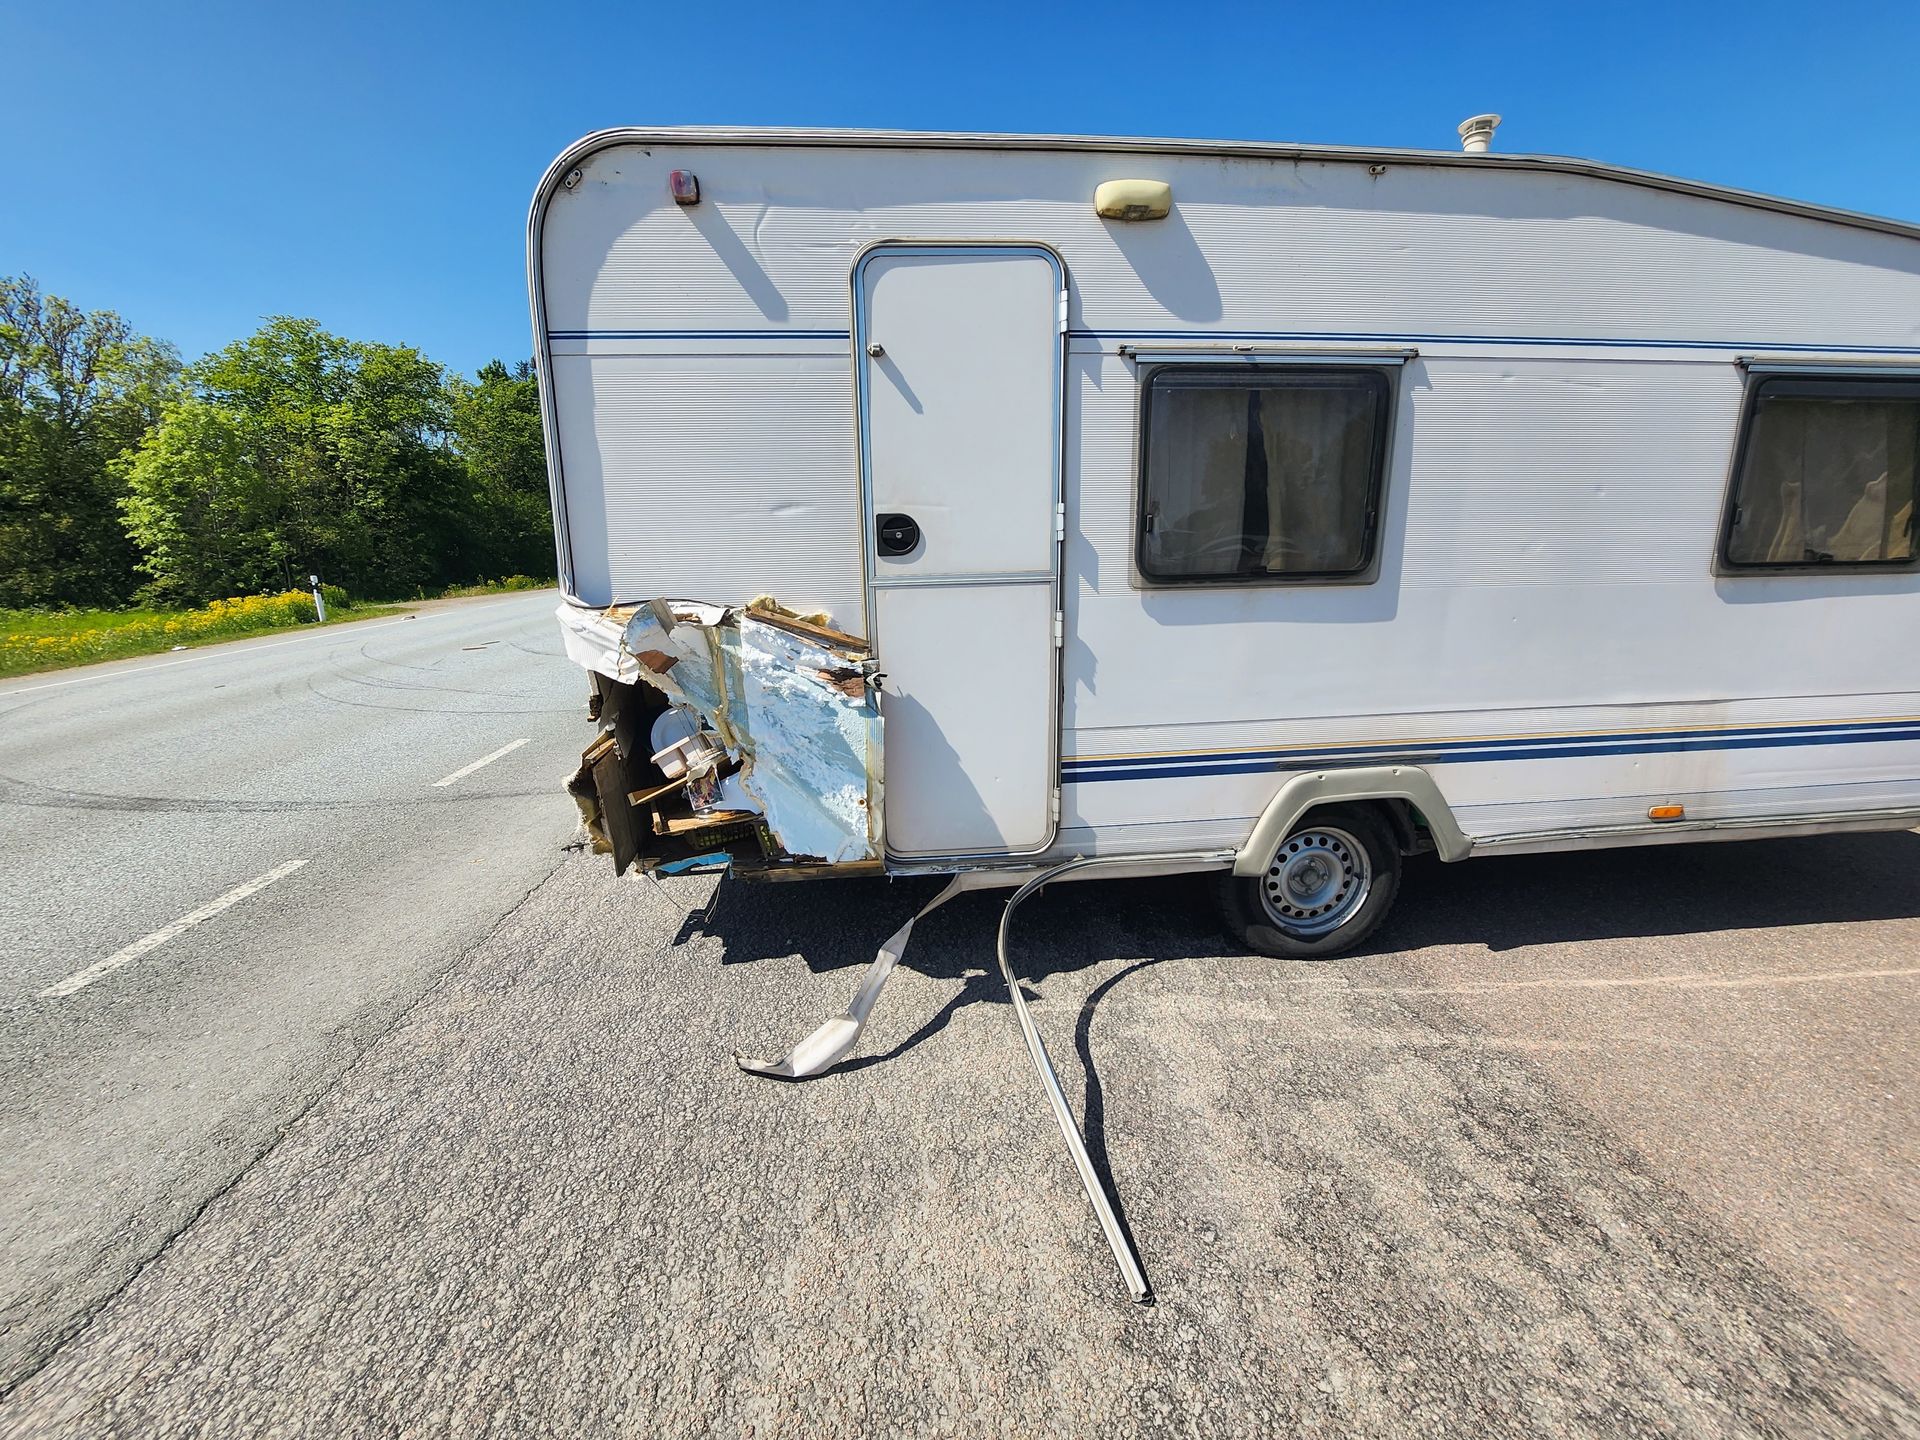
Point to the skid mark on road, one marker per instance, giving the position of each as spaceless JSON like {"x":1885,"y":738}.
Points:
{"x":366,"y":653}
{"x":24,"y":792}
{"x":80,"y":979}
{"x":313,"y":688}
{"x":439,"y":685}
{"x":46,"y":797}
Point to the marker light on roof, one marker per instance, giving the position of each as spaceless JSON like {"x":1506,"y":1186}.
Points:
{"x":1133,"y":200}
{"x":684,"y":186}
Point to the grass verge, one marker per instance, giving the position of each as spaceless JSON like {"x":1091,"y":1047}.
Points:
{"x":493,"y":587}
{"x":35,"y":640}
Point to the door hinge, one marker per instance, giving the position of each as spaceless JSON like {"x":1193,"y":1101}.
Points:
{"x":1060,"y":521}
{"x":1059,"y":628}
{"x":1061,"y":314}
{"x":1056,"y":805}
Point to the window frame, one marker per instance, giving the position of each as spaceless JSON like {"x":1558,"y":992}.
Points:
{"x":1857,"y":384}
{"x":1382,"y":377}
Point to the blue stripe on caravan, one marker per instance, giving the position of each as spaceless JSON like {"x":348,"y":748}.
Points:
{"x":697,"y":335}
{"x":1385,"y":338}
{"x":1615,"y":737}
{"x":1553,"y":747}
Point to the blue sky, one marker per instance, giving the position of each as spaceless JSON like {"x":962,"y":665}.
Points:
{"x":199,"y":166}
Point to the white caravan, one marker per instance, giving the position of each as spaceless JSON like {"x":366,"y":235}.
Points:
{"x":1010,"y":505}
{"x":1270,"y":509}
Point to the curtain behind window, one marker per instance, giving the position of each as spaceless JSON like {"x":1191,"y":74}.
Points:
{"x":1828,"y":481}
{"x":1319,"y":474}
{"x":1254,"y":479}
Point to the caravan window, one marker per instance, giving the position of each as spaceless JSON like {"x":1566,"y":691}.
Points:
{"x":1261,"y":476}
{"x":1825,"y":474}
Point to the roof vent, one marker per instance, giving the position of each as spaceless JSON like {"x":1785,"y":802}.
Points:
{"x":1476,"y":133}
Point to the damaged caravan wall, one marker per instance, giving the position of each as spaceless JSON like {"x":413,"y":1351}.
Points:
{"x":743,"y":737}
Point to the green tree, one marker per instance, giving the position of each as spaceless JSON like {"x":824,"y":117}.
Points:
{"x":204,"y":500}
{"x":300,"y":450}
{"x":496,"y":430}
{"x":77,"y":388}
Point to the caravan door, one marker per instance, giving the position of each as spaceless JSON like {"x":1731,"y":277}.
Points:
{"x":957,"y":350}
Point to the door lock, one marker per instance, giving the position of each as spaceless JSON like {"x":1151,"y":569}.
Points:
{"x":897,"y":534}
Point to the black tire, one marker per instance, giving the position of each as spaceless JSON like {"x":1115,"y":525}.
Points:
{"x":1354,"y":843}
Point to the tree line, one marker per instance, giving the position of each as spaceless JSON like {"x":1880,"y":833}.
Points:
{"x":127,"y":476}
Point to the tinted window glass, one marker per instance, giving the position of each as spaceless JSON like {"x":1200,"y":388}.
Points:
{"x":1255,"y":477}
{"x":1827,"y":474}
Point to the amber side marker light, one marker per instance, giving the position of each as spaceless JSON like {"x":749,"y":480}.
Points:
{"x":1666,"y":812}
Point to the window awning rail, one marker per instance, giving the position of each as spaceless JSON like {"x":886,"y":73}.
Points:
{"x":1900,"y":367}
{"x":1269,"y":354}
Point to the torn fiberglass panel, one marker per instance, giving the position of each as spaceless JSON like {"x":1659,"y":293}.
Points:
{"x":791,"y":703}
{"x":814,"y":729}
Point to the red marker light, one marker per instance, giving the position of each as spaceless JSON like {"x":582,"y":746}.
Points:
{"x":684,"y":186}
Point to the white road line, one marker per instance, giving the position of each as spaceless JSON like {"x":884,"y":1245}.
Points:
{"x":466,"y":770}
{"x":80,"y":979}
{"x":222,"y":652}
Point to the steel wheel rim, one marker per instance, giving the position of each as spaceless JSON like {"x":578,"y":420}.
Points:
{"x":1318,"y":879}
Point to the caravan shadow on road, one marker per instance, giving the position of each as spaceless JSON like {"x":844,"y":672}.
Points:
{"x":1523,"y":902}
{"x":1504,"y":904}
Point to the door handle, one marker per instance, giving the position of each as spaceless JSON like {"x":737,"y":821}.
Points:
{"x":897,"y":534}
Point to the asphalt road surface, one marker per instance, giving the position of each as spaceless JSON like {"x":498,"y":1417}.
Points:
{"x":440,"y":1133}
{"x":132,"y":795}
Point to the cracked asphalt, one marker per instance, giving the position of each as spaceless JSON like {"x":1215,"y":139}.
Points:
{"x":1606,"y":1145}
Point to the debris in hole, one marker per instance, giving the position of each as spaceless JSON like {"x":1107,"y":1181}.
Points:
{"x":752,"y":734}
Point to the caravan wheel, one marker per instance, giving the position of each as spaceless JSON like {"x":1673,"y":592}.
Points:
{"x":1327,"y":888}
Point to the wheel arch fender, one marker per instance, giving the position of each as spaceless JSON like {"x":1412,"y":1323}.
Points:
{"x":1311,"y":789}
